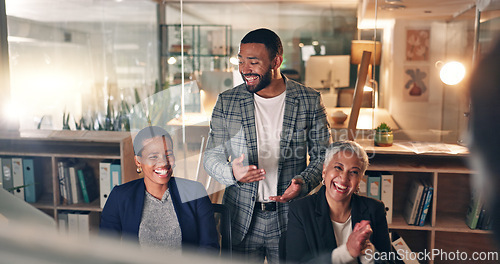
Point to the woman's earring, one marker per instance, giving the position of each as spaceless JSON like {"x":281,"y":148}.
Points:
{"x":323,"y":181}
{"x":139,"y":169}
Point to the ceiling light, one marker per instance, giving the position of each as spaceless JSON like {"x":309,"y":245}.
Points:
{"x":233,"y":60}
{"x":171,"y":60}
{"x":391,"y":7}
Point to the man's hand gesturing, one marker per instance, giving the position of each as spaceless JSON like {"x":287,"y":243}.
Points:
{"x":246,"y":174}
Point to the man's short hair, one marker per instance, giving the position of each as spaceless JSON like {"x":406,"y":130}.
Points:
{"x":266,"y":37}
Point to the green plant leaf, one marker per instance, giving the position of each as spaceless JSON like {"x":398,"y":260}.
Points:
{"x":383,"y":127}
{"x":18,"y":187}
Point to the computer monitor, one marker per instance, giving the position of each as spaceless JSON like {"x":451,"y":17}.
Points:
{"x":330,"y":71}
{"x":213,"y":83}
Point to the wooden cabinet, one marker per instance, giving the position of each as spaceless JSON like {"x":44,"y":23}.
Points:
{"x":445,"y":227}
{"x":49,"y":147}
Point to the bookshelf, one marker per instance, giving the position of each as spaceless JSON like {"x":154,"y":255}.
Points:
{"x":206,"y":48}
{"x":48,"y":147}
{"x":445,"y":227}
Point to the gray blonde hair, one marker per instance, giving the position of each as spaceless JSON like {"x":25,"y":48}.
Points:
{"x":351,"y":147}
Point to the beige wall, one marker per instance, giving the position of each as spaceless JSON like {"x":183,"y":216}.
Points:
{"x":418,"y":120}
{"x":440,"y":118}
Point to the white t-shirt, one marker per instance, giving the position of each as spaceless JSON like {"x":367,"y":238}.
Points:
{"x":341,"y":254}
{"x":268,"y":124}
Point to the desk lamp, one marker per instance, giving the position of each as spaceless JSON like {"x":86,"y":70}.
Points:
{"x":357,"y":48}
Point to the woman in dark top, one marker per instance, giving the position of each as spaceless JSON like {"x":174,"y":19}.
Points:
{"x":159,"y":210}
{"x":335,"y":225}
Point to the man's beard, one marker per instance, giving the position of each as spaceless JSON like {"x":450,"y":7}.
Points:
{"x":265,"y":80}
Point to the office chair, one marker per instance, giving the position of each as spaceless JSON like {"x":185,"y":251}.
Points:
{"x":223,"y":222}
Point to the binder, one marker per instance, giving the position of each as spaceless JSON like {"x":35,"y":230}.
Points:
{"x":387,"y":186}
{"x":73,"y":224}
{"x":17,"y":177}
{"x":363,"y":186}
{"x":32,"y":180}
{"x":104,"y":180}
{"x":7,"y":174}
{"x":62,"y":221}
{"x":116,"y":173}
{"x":87,"y":224}
{"x":374,"y":185}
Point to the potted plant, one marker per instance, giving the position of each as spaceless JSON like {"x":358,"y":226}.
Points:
{"x":383,"y":136}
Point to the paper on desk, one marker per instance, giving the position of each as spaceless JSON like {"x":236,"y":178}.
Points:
{"x":431,"y":147}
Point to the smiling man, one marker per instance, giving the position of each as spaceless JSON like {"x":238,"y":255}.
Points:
{"x":260,"y":134}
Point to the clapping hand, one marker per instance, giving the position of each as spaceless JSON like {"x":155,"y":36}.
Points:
{"x":359,"y":239}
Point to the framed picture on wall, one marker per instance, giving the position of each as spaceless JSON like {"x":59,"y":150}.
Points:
{"x":416,"y":88}
{"x":417,"y":44}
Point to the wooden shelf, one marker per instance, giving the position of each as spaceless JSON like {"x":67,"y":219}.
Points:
{"x":450,"y":177}
{"x":398,"y":222}
{"x":45,"y":201}
{"x":418,"y":163}
{"x":49,"y":147}
{"x":455,"y":223}
{"x":94,"y":206}
{"x":447,"y":172}
{"x":444,"y":223}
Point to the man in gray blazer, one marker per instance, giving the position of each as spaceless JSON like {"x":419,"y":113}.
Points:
{"x":260,"y":134}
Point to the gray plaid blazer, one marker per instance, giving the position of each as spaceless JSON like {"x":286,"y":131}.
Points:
{"x":232,"y":132}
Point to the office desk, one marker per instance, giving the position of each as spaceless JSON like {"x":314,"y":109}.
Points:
{"x":196,"y":127}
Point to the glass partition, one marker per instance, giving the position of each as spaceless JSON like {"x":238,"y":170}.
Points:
{"x":211,"y":33}
{"x":120,"y":65}
{"x":80,"y":64}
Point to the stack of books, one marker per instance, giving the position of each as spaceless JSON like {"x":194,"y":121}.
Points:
{"x":418,"y":202}
{"x":77,"y":183}
{"x":478,"y":214}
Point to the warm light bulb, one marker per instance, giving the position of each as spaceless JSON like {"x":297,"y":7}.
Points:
{"x":12,"y":111}
{"x":172,"y":60}
{"x":452,"y":73}
{"x":234,"y":60}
